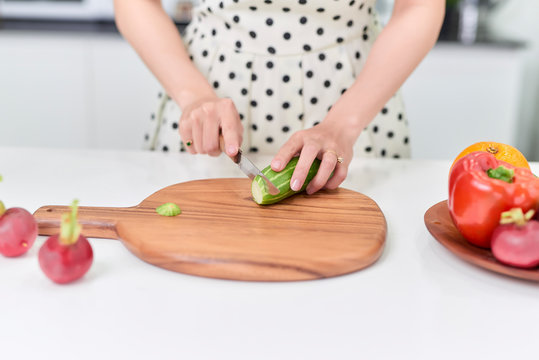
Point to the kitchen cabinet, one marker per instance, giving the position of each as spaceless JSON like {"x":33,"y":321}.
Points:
{"x":91,"y":90}
{"x":44,"y":90}
{"x":81,"y":90}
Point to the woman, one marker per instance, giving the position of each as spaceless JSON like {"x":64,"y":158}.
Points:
{"x":311,"y":77}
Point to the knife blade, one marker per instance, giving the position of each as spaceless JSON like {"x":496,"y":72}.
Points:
{"x":250,"y":169}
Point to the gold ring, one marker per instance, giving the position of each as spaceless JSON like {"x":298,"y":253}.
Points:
{"x":339,"y":158}
{"x":189,"y":143}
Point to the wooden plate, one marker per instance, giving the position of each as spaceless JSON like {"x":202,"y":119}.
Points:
{"x":222,"y":233}
{"x":440,"y":225}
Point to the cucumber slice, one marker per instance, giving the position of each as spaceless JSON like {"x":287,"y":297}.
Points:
{"x":168,"y":209}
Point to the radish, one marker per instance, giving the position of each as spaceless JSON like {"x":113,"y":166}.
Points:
{"x":516,"y":241}
{"x":67,"y":256}
{"x":18,"y":230}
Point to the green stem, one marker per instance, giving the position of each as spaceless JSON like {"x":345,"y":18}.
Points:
{"x":70,"y":229}
{"x":501,"y":173}
{"x":516,"y":216}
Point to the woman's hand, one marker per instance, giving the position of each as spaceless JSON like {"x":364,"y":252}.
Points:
{"x":397,"y":51}
{"x":331,"y":140}
{"x":154,"y":36}
{"x":205,"y":120}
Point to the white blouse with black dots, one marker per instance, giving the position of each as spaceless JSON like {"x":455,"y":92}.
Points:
{"x":283,"y":63}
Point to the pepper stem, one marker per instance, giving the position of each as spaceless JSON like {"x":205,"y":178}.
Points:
{"x":501,"y":173}
{"x":70,"y":229}
{"x":516,"y":216}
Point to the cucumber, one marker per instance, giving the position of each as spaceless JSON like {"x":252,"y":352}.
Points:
{"x":281,"y":180}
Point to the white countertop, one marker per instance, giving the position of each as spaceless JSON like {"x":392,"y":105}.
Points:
{"x":418,"y":301}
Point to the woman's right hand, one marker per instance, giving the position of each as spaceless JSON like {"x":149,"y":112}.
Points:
{"x":205,"y":120}
{"x":204,"y":115}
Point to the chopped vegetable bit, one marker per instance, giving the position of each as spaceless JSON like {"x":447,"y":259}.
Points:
{"x":168,"y":209}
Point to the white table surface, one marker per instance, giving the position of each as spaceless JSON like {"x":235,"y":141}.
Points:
{"x":418,"y":301}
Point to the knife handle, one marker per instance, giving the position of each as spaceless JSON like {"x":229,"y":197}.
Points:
{"x":222,"y":143}
{"x":235,"y":158}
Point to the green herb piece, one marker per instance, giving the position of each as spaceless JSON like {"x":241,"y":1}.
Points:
{"x":168,"y":209}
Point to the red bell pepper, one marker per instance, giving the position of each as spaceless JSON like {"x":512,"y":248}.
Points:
{"x":481,"y":187}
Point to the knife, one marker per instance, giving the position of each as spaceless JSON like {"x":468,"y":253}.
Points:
{"x":250,"y":169}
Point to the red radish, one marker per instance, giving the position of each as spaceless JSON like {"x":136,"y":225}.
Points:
{"x":516,"y":241}
{"x":67,"y":256}
{"x":18,"y":231}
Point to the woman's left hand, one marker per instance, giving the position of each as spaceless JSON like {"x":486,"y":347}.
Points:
{"x":329,"y":141}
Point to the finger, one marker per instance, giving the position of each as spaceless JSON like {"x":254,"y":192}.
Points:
{"x":211,"y":137}
{"x":186,"y":133}
{"x":341,"y":170}
{"x":197,"y":131}
{"x":329,"y":161}
{"x":231,"y":127}
{"x":292,"y":147}
{"x":306,"y":158}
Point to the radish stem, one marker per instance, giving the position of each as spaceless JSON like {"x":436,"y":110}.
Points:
{"x":70,"y":229}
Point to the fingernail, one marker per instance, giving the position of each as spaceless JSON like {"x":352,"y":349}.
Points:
{"x":295,"y":185}
{"x":230,"y":150}
{"x":276,"y":165}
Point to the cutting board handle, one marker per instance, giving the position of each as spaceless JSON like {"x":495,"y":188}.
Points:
{"x":97,"y":222}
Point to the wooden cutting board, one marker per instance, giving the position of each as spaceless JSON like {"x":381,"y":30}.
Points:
{"x":222,"y":233}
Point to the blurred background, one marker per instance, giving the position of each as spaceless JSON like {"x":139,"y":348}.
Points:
{"x":68,"y":79}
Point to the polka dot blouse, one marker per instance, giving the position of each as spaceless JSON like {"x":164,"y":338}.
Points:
{"x":284,"y":63}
